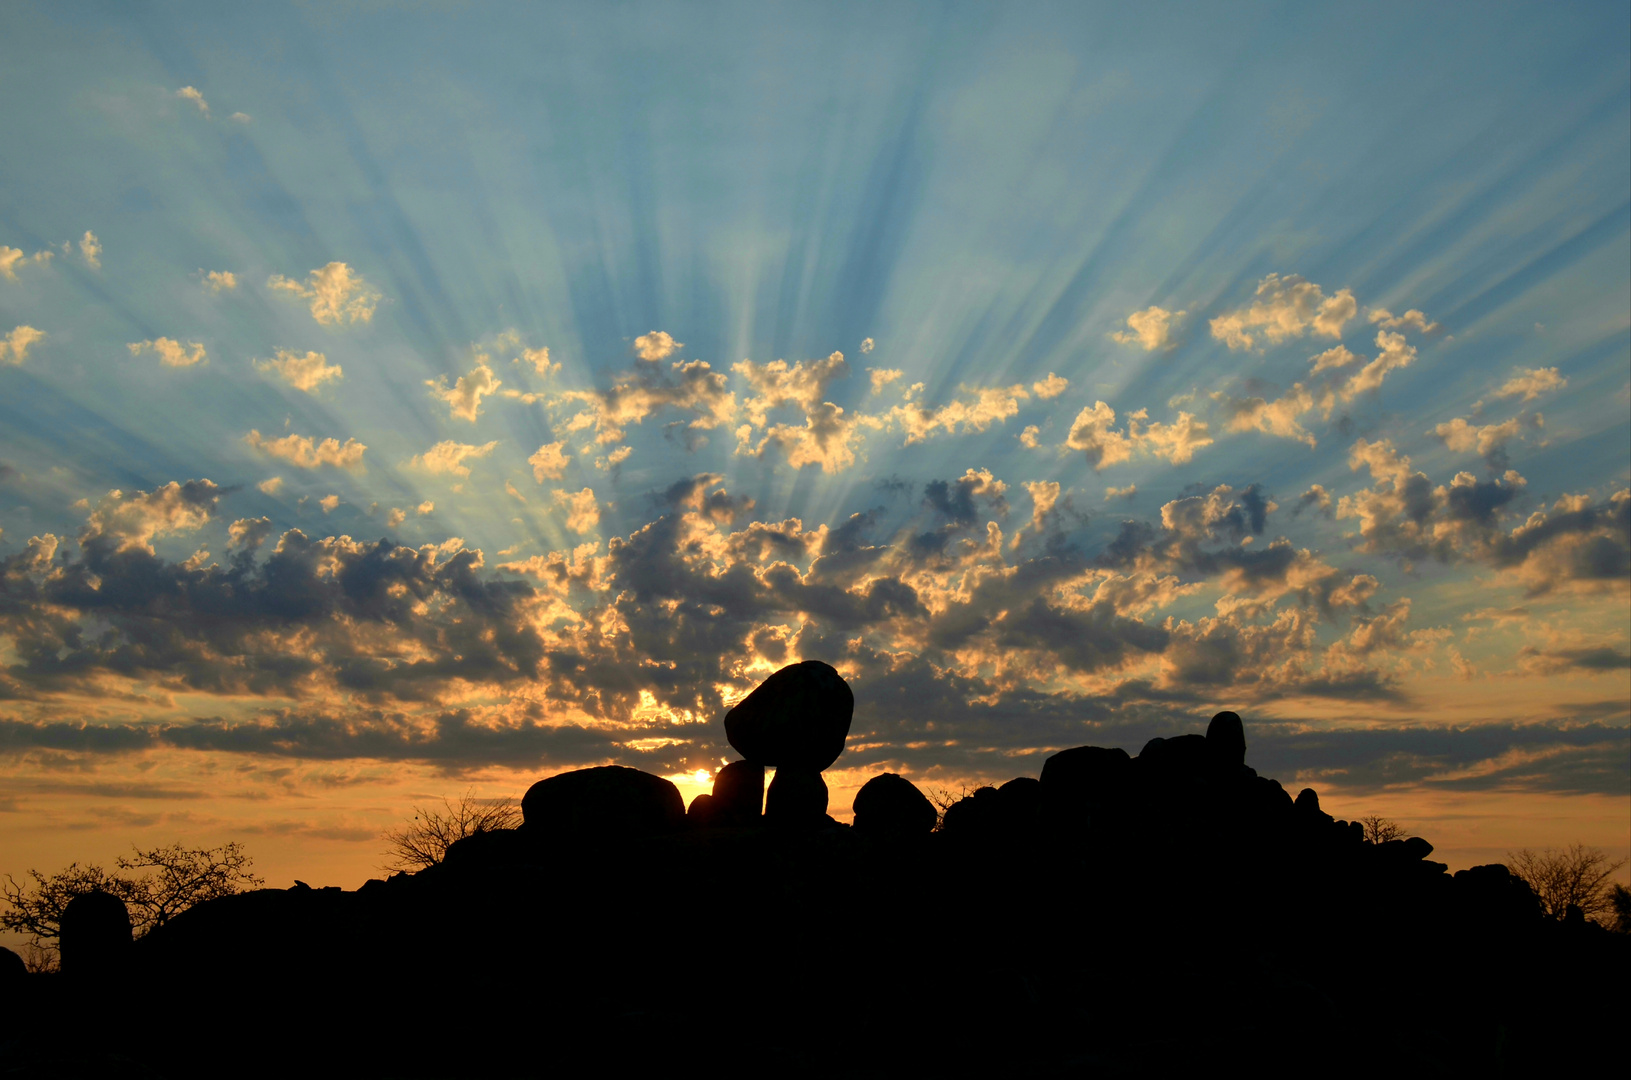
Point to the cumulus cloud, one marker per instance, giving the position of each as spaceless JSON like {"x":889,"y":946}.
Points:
{"x":775,"y":384}
{"x":335,"y":293}
{"x":11,"y":258}
{"x":307,"y":453}
{"x":463,"y":398}
{"x":1395,"y":354}
{"x":1284,"y":308}
{"x":424,"y":508}
{"x":1120,"y":492}
{"x":1335,"y":357}
{"x":1152,"y":329}
{"x":882,"y":377}
{"x":306,"y":372}
{"x":657,"y":345}
{"x":1413,"y":318}
{"x":194,"y":95}
{"x":548,"y":462}
{"x":15,"y":345}
{"x":171,"y":353}
{"x":395,"y":517}
{"x":1031,"y":437}
{"x":448,"y":457}
{"x":329,"y":503}
{"x":1488,"y":440}
{"x":691,"y":387}
{"x":828,"y":438}
{"x":1093,"y":434}
{"x":977,"y":410}
{"x":1280,"y":417}
{"x":248,"y":534}
{"x":1530,"y":383}
{"x":582,"y":512}
{"x":271,"y":485}
{"x":539,"y":360}
{"x":219,"y":281}
{"x":1051,"y":387}
{"x":240,"y":118}
{"x":125,"y":521}
{"x":90,"y":249}
{"x":867,"y":345}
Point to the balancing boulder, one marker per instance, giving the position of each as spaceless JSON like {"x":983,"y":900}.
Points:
{"x":798,"y":718}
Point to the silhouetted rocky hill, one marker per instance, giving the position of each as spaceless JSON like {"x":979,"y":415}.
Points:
{"x":1117,"y":915}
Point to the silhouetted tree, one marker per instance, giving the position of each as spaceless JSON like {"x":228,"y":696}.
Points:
{"x":178,"y":878}
{"x":1575,"y":876}
{"x":1619,"y":900}
{"x":943,"y":798}
{"x":423,"y":842}
{"x":1379,"y":830}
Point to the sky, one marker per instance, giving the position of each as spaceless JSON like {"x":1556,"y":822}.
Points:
{"x":402,"y":400}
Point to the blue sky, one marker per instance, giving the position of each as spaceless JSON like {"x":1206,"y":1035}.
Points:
{"x":1023,"y":210}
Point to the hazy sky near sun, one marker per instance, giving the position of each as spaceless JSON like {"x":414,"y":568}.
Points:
{"x":395,"y":398}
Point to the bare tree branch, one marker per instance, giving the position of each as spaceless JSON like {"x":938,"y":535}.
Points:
{"x":423,"y":842}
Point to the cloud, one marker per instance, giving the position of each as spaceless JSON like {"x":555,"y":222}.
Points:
{"x":463,"y":398}
{"x":306,"y":453}
{"x":1316,"y":498}
{"x":582,"y":512}
{"x":248,"y":534}
{"x":657,"y":345}
{"x":329,"y":503}
{"x":1120,"y":492}
{"x":548,"y":462}
{"x":396,"y":517}
{"x":1091,"y":432}
{"x":171,"y":353}
{"x":1489,"y":440}
{"x":449,"y":457}
{"x":11,"y":258}
{"x":1031,"y":437}
{"x":882,"y":377}
{"x":219,"y":281}
{"x":691,"y":387}
{"x":1395,"y":354}
{"x":240,"y":118}
{"x":336,"y":294}
{"x":15,"y":345}
{"x":539,"y":359}
{"x":1530,"y":383}
{"x":271,"y":485}
{"x":1335,"y":357}
{"x":1051,"y":387}
{"x":306,"y":372}
{"x":614,"y":459}
{"x":1413,"y":318}
{"x":122,"y":522}
{"x":193,"y":95}
{"x":1152,"y":329}
{"x":1284,"y":308}
{"x":424,"y":508}
{"x":979,"y":408}
{"x":775,"y":384}
{"x":827,"y":438}
{"x":1280,"y":417}
{"x":90,"y":249}
{"x":867,"y":345}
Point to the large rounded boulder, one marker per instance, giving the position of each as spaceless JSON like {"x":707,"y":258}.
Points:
{"x":95,"y":935}
{"x":891,"y":805}
{"x":603,"y":802}
{"x":798,"y":718}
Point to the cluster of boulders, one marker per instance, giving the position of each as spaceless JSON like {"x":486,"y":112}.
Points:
{"x":1066,"y":902}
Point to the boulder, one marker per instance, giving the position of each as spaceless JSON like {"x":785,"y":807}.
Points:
{"x":603,"y":802}
{"x":703,"y":812}
{"x":973,"y":815}
{"x":1086,"y":771}
{"x":797,"y":718}
{"x":94,"y":934}
{"x":1228,"y":737}
{"x":1019,"y":806}
{"x":891,"y":805}
{"x":1308,"y":801}
{"x":12,"y":968}
{"x":797,"y":799}
{"x":739,"y":794}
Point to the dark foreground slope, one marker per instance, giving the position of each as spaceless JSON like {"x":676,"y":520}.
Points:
{"x":1123,"y":916}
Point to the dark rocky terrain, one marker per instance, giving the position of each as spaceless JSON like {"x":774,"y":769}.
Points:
{"x":1118,"y":915}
